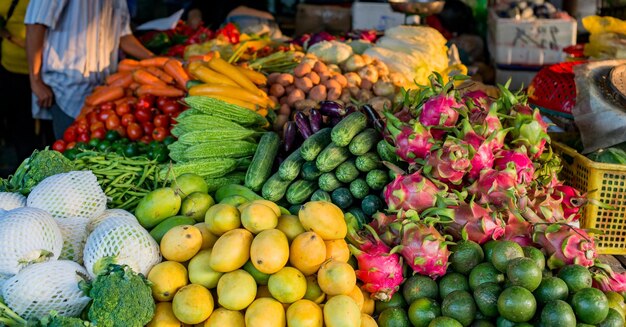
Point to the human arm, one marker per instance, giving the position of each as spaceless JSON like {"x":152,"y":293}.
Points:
{"x":35,"y":38}
{"x":131,"y":46}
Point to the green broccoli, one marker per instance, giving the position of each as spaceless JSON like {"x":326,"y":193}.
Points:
{"x":39,"y":166}
{"x":54,"y":320}
{"x":120,"y":298}
{"x":11,"y":319}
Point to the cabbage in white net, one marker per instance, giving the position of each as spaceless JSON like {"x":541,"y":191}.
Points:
{"x":46,"y":286}
{"x":73,"y":194}
{"x":74,"y":231}
{"x":10,"y":200}
{"x":108,"y":214}
{"x":117,"y":241}
{"x":27,"y":235}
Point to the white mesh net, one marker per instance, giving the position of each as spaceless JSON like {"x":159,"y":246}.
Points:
{"x":108,"y":214}
{"x":73,"y":194}
{"x":10,"y":201}
{"x":42,"y":287}
{"x":128,"y":243}
{"x":27,"y":235}
{"x":74,"y":231}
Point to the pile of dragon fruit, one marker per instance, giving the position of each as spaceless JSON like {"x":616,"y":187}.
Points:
{"x":476,"y":168}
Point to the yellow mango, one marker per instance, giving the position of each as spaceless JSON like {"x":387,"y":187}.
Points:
{"x":324,"y":218}
{"x":231,"y":251}
{"x":269,"y":251}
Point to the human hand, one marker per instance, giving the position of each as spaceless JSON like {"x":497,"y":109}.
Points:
{"x":44,"y":94}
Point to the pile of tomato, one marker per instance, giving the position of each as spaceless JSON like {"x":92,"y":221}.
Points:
{"x":143,"y":119}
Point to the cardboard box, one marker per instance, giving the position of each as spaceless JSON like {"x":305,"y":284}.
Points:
{"x":377,"y":16}
{"x":317,"y":18}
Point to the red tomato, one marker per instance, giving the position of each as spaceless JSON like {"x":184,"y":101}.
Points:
{"x":145,"y":101}
{"x":92,"y":116}
{"x":84,"y":137}
{"x":113,"y":122}
{"x":81,"y":126}
{"x":127,"y":119}
{"x":95,"y":126}
{"x":145,"y":139}
{"x":108,"y":106}
{"x":174,"y":115}
{"x":104,"y":114}
{"x":59,"y":145}
{"x":159,"y":133}
{"x":143,"y":114}
{"x":98,"y":133}
{"x":170,"y":108}
{"x":161,"y":101}
{"x":120,"y":130}
{"x":70,"y":145}
{"x":122,"y":109}
{"x":70,"y":134}
{"x":134,"y":131}
{"x":161,"y":121}
{"x":148,"y":127}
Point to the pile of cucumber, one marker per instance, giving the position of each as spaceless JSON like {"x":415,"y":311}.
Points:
{"x":338,"y":164}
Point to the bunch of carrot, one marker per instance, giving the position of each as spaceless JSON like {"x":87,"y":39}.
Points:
{"x":230,"y":83}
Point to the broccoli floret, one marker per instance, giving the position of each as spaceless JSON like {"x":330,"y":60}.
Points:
{"x":54,"y":320}
{"x":121,"y":298}
{"x":11,"y":319}
{"x":39,"y":166}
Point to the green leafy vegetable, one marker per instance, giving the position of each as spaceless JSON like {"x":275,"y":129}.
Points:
{"x":34,"y":169}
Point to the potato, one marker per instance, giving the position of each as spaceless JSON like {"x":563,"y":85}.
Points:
{"x":284,"y":79}
{"x":334,"y":68}
{"x":304,"y":83}
{"x":271,"y":78}
{"x":380,"y":67}
{"x":318,"y":93}
{"x":331,"y":83}
{"x":353,"y":79}
{"x":294,"y":96}
{"x":342,"y":80}
{"x":305,"y":105}
{"x":285,"y":109}
{"x":320,"y":68}
{"x":333,"y":93}
{"x":345,"y":96}
{"x":384,"y":89}
{"x":354,"y":90}
{"x":379,"y":103}
{"x":289,"y":89}
{"x":283,"y":100}
{"x":369,"y":73}
{"x":302,"y":69}
{"x":274,"y":100}
{"x":364,"y":95}
{"x":277,"y":90}
{"x":280,"y":121}
{"x":314,"y":77}
{"x":366,"y":85}
{"x":324,"y":76}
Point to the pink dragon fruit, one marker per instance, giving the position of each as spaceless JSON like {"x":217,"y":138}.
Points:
{"x":411,"y":192}
{"x":476,"y":223}
{"x":450,"y":163}
{"x":487,"y":122}
{"x":439,"y":111}
{"x":539,"y":206}
{"x":607,"y":280}
{"x":518,"y":230}
{"x":478,"y":101}
{"x":411,"y":142}
{"x":523,"y":164}
{"x":482,"y":154}
{"x":379,"y":270}
{"x":495,"y":187}
{"x":424,"y":249}
{"x":573,"y":200}
{"x":529,"y":130}
{"x":565,"y":245}
{"x":387,"y":227}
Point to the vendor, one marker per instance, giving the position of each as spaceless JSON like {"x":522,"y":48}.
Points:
{"x":250,"y":16}
{"x":72,"y":45}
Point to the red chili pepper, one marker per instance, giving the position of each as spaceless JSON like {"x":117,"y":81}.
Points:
{"x":231,"y":32}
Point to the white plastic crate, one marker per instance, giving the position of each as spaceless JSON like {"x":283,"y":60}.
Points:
{"x":533,"y":42}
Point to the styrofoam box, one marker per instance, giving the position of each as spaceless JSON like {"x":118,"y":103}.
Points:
{"x":519,"y":78}
{"x":529,"y":42}
{"x":377,"y":16}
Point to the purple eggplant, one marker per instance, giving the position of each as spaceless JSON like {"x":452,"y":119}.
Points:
{"x":374,"y":117}
{"x":303,"y":125}
{"x":315,"y":117}
{"x":334,"y":121}
{"x":350,"y":109}
{"x":289,"y":136}
{"x":331,"y":109}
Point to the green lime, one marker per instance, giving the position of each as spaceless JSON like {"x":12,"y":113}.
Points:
{"x":482,"y":323}
{"x":393,"y":317}
{"x":590,"y":305}
{"x":551,"y":289}
{"x":576,"y":277}
{"x":81,"y":146}
{"x":616,"y":301}
{"x":422,"y":311}
{"x":459,"y":305}
{"x":580,"y":324}
{"x":418,"y":286}
{"x":613,"y":319}
{"x":465,"y":256}
{"x":524,"y":324}
{"x":93,"y":143}
{"x":517,"y":304}
{"x":112,"y":136}
{"x":70,"y":154}
{"x":484,"y":273}
{"x":524,"y":272}
{"x":558,"y":314}
{"x":131,"y":150}
{"x":452,"y":282}
{"x":444,"y":322}
{"x":488,"y":249}
{"x":536,"y":255}
{"x":502,"y":322}
{"x":503,"y":252}
{"x":259,"y":277}
{"x":396,"y":301}
{"x":104,"y":145}
{"x":486,"y":297}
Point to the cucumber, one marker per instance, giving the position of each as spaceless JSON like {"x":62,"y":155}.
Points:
{"x":359,"y":188}
{"x":386,"y":152}
{"x":331,"y":157}
{"x":234,"y":200}
{"x":368,"y":161}
{"x":312,"y":146}
{"x":348,"y":128}
{"x":377,"y":179}
{"x":295,"y":209}
{"x":342,"y":197}
{"x":290,"y":168}
{"x":359,"y":215}
{"x":364,"y":142}
{"x":347,"y":172}
{"x":163,"y":227}
{"x":309,"y":171}
{"x":321,"y":195}
{"x":300,"y":191}
{"x":260,"y":168}
{"x":372,"y":204}
{"x":328,"y":182}
{"x":234,"y":189}
{"x":274,"y":188}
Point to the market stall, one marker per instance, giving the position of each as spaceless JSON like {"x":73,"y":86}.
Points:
{"x":360,"y":179}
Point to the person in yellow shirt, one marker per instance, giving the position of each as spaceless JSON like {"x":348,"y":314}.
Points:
{"x":17,"y":125}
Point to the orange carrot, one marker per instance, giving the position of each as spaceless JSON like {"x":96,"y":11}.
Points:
{"x":124,"y":80}
{"x":114,"y":77}
{"x":158,"y":72}
{"x":105,"y":94}
{"x":164,"y":91}
{"x":134,"y":85}
{"x":175,"y":69}
{"x":154,"y":61}
{"x":127,"y":65}
{"x":141,"y":76}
